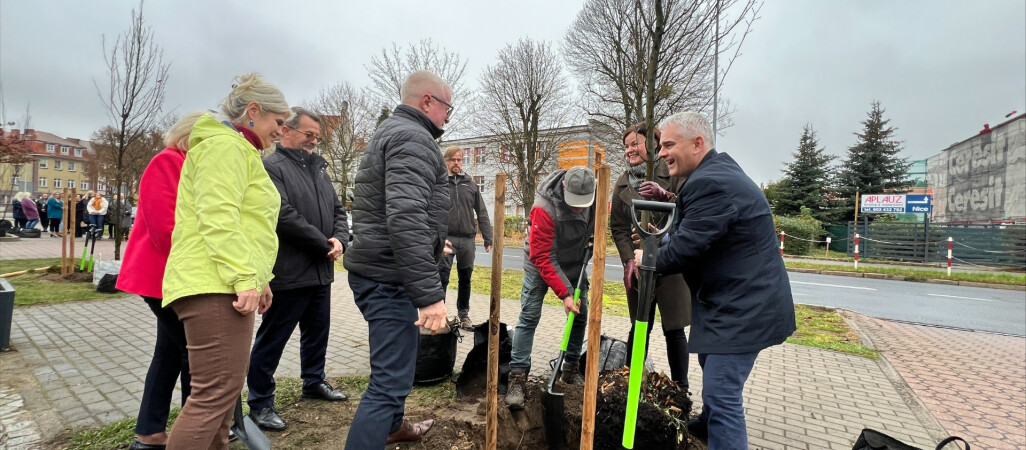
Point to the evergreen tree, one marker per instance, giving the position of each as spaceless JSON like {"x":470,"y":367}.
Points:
{"x":872,"y":165}
{"x":807,"y":180}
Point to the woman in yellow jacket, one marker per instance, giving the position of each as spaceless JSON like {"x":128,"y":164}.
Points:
{"x":222,"y":250}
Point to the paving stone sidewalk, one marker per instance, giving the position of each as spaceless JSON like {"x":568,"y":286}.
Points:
{"x":82,"y":364}
{"x":973,"y":382}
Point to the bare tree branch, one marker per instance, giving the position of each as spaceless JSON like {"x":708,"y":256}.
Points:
{"x":348,"y":121}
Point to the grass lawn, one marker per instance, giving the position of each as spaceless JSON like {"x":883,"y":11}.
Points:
{"x":1018,"y":279}
{"x":40,"y":287}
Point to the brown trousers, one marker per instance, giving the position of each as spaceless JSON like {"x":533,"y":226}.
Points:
{"x":218,"y":339}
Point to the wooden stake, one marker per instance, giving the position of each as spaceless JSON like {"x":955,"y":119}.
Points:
{"x":498,"y":229}
{"x":598,"y":280}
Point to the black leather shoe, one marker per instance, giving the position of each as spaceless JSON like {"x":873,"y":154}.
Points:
{"x":268,"y":419}
{"x":140,"y":445}
{"x":324,"y":391}
{"x":699,"y":430}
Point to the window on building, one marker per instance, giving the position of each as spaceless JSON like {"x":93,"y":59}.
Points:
{"x":71,"y":166}
{"x":42,"y":181}
{"x":479,"y":155}
{"x":468,"y":157}
{"x":58,"y":165}
{"x":479,"y":180}
{"x":71,"y":184}
{"x":15,"y":180}
{"x":65,"y":150}
{"x":78,"y":152}
{"x":505,"y":155}
{"x":85,"y":185}
{"x":50,"y":148}
{"x":57,"y":183}
{"x":44,"y":163}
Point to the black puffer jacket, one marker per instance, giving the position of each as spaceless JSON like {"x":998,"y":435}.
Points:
{"x":401,"y":207}
{"x":311,"y":213}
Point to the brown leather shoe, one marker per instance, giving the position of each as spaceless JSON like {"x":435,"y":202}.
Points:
{"x":410,"y":432}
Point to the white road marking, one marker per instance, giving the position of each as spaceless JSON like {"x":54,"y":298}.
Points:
{"x":834,"y":285}
{"x":963,"y":298}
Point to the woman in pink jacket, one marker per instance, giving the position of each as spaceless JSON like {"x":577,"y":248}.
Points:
{"x":142,"y":273}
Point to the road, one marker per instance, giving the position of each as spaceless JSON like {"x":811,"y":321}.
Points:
{"x":963,"y":307}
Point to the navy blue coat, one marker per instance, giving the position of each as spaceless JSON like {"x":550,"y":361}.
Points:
{"x":724,"y":243}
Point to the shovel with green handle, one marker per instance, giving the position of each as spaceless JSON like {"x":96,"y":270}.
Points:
{"x":649,"y":246}
{"x":551,"y":400}
{"x":82,"y":263}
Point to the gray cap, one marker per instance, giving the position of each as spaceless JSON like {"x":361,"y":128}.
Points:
{"x":579,"y":187}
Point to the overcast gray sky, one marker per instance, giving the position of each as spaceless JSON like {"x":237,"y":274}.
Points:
{"x":940,"y":68}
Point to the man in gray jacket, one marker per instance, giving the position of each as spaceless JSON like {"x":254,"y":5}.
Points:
{"x":467,"y":215}
{"x":401,"y":207}
{"x":312,"y":234}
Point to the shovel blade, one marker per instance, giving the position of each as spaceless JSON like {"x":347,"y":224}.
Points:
{"x":247,"y":430}
{"x":552,"y":404}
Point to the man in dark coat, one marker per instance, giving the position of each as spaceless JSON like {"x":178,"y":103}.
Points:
{"x":312,"y":234}
{"x":467,"y":217}
{"x":724,"y":243}
{"x":401,"y":208}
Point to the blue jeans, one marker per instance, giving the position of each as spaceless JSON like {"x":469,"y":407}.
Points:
{"x":723,"y":378}
{"x":97,"y":220}
{"x":31,"y":223}
{"x":531,"y":299}
{"x":170,"y":358}
{"x":393,"y":341}
{"x":308,"y":307}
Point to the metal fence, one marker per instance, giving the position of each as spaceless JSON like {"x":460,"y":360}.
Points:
{"x":985,"y":245}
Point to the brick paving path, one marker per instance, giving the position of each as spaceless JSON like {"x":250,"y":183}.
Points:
{"x":974,"y":383}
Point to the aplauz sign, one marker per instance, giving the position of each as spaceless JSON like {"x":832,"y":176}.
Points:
{"x":896,"y":203}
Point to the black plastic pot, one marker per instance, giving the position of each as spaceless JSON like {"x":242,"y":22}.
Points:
{"x":6,"y":313}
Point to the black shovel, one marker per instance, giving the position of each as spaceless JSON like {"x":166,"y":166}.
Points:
{"x":650,"y":246}
{"x":247,"y":430}
{"x":553,"y":401}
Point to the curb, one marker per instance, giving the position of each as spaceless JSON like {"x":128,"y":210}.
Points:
{"x":881,"y":276}
{"x":916,"y":406}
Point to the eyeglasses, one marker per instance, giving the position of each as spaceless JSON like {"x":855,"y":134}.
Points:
{"x":310,"y":136}
{"x":459,"y":160}
{"x":449,"y":107}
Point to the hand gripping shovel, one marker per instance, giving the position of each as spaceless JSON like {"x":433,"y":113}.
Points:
{"x":649,"y":245}
{"x":247,"y":430}
{"x":553,"y":401}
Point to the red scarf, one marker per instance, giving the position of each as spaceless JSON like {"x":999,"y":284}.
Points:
{"x":251,"y":137}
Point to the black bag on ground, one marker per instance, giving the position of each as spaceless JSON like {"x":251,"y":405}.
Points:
{"x":874,"y":440}
{"x":436,"y":355}
{"x":107,"y":283}
{"x":27,"y":232}
{"x":473,"y":377}
{"x":612,"y":355}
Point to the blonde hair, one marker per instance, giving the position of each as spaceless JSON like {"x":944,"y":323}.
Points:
{"x":450,"y":151}
{"x":20,"y":195}
{"x":177,"y":136}
{"x":251,"y":88}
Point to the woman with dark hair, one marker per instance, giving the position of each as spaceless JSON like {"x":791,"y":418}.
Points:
{"x":219,"y":267}
{"x":671,"y":293}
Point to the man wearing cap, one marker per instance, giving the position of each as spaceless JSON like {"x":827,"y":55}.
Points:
{"x":559,"y":232}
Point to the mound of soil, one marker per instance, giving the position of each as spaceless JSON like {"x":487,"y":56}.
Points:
{"x":460,"y":422}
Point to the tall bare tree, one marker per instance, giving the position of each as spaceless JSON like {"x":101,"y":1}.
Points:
{"x":133,"y":99}
{"x":389,"y":70}
{"x":618,"y":51}
{"x":522,"y":94}
{"x":349,"y":119}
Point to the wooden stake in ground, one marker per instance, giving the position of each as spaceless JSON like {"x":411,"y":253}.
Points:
{"x":598,"y":280}
{"x":498,"y":229}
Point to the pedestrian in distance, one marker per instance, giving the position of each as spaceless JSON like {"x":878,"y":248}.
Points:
{"x":98,"y":208}
{"x":55,"y":212}
{"x":44,"y":221}
{"x":222,"y":251}
{"x":28,"y":208}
